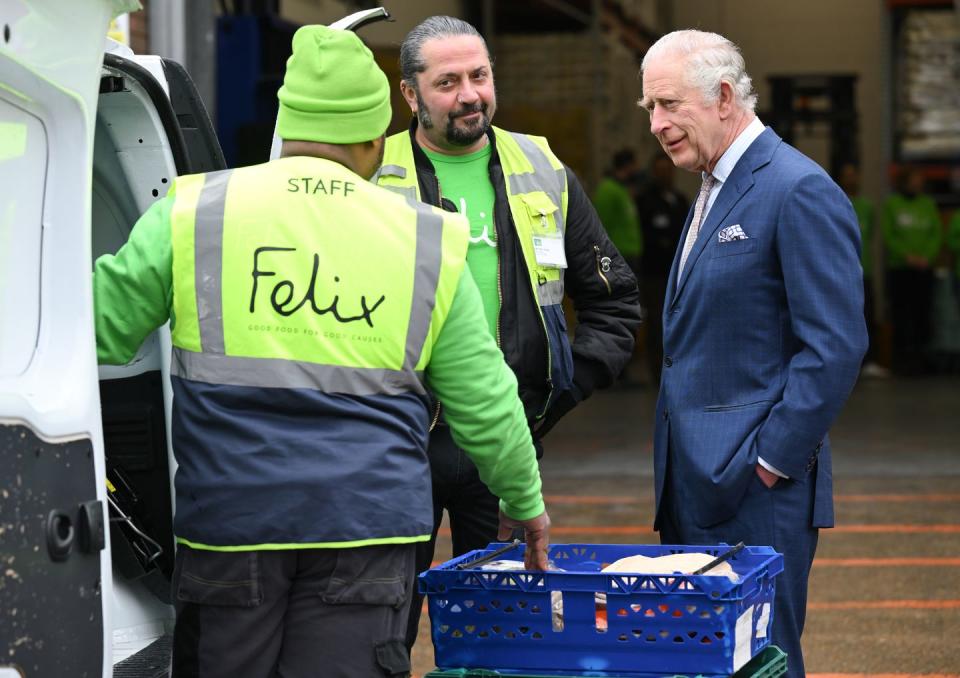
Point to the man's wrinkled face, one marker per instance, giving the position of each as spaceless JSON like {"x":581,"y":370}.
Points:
{"x":690,"y":130}
{"x":454,"y":100}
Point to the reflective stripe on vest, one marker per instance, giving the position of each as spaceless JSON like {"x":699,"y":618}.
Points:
{"x":211,"y":363}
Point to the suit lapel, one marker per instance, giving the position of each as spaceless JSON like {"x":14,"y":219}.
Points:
{"x":737,"y":184}
{"x":672,"y":278}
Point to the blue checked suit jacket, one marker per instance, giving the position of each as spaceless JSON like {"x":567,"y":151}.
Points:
{"x":763,"y":337}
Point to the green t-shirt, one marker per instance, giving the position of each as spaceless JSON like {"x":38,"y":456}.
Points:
{"x":864,"y":209}
{"x":911,"y":226}
{"x":618,"y":214}
{"x":465,"y":181}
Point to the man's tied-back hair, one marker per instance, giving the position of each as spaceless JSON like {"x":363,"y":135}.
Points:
{"x":411,"y":50}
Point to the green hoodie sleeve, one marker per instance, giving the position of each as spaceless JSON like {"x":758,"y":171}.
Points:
{"x":133,"y":289}
{"x":479,"y":395}
{"x":953,"y":239}
{"x":891,"y":234}
{"x":934,"y":240}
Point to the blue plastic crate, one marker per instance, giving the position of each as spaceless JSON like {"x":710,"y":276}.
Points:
{"x":648,"y":624}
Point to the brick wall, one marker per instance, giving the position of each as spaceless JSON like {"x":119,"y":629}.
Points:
{"x":579,"y":94}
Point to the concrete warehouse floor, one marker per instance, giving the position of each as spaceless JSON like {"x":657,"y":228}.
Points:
{"x":885,"y":588}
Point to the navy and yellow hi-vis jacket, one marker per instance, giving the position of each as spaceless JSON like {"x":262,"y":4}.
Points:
{"x":308,"y":305}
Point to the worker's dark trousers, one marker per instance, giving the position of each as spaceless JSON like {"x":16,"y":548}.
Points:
{"x":474,"y":512}
{"x":779,"y":517}
{"x":337,"y":613}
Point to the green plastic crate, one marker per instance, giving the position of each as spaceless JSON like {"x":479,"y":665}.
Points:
{"x":770,"y":663}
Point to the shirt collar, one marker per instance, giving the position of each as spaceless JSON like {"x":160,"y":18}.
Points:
{"x":732,"y":155}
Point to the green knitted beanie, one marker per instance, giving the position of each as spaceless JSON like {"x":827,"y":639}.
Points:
{"x":333,"y":90}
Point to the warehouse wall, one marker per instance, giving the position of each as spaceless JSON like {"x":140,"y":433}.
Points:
{"x":406,"y":15}
{"x":816,"y":36}
{"x":578,"y":92}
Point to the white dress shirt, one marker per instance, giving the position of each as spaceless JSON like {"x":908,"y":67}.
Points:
{"x":730,"y":158}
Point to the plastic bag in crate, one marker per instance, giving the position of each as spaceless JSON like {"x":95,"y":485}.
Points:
{"x":579,"y":619}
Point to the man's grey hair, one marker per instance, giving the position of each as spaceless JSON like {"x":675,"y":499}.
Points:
{"x":411,"y":50}
{"x":710,"y":60}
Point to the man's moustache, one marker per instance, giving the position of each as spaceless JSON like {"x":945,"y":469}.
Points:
{"x":479,"y":108}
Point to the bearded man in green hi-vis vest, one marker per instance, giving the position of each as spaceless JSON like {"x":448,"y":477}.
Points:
{"x":534,"y":238}
{"x":312,"y":312}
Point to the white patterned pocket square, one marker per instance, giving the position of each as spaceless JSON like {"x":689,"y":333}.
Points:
{"x":731,"y":233}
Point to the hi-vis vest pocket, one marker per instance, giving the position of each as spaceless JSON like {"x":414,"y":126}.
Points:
{"x":542,"y":213}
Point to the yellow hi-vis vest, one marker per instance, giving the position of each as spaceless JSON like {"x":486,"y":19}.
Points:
{"x":304,"y":297}
{"x":536,"y":184}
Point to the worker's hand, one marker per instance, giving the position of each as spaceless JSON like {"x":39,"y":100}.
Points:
{"x":537,"y":531}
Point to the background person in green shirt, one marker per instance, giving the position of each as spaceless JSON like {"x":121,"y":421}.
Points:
{"x":912,"y":233}
{"x":616,"y":205}
{"x":615,"y":202}
{"x":953,"y":244}
{"x":849,"y":180}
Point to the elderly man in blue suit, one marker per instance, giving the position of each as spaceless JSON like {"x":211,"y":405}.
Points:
{"x":763,"y":327}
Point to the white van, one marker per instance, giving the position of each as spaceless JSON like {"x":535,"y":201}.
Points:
{"x":88,"y":140}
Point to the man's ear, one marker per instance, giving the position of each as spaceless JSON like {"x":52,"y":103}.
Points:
{"x":409,"y":94}
{"x":727,"y":100}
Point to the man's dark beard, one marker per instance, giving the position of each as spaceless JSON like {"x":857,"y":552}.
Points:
{"x":454,"y":135}
{"x":465,"y":137}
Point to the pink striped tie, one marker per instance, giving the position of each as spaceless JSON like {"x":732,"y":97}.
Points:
{"x":708,"y":182}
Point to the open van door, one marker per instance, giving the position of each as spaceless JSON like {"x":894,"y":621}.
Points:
{"x":87,"y":142}
{"x":54,"y":579}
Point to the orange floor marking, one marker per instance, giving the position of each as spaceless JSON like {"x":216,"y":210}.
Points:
{"x":897,"y":529}
{"x":896,"y":498}
{"x":646,"y":530}
{"x":591,"y":499}
{"x":885,"y":605}
{"x":842,"y":498}
{"x":886,"y":562}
